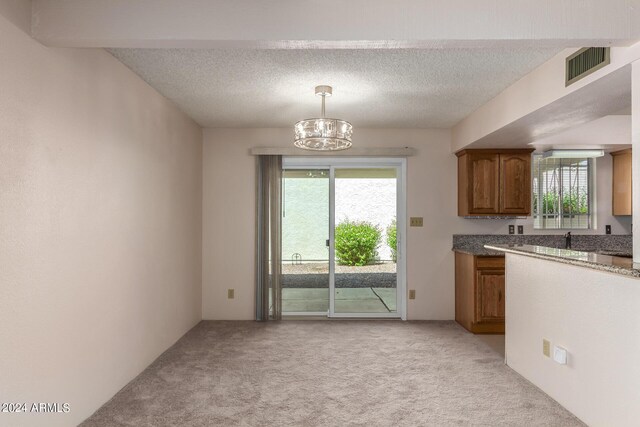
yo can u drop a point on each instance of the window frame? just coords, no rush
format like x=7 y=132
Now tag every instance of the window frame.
x=540 y=220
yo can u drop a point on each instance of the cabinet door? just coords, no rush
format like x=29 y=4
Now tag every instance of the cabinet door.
x=515 y=184
x=484 y=183
x=490 y=296
x=622 y=183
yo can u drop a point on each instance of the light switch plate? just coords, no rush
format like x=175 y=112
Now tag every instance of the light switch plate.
x=231 y=293
x=415 y=221
x=412 y=294
x=546 y=347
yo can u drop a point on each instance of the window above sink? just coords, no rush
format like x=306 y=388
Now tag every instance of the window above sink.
x=563 y=193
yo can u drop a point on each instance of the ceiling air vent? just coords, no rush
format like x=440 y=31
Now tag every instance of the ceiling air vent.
x=586 y=61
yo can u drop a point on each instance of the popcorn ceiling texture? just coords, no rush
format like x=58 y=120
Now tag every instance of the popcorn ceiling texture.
x=373 y=88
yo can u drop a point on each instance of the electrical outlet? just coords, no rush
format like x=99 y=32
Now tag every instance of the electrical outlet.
x=412 y=294
x=512 y=229
x=521 y=229
x=231 y=293
x=546 y=348
x=415 y=221
x=607 y=229
x=559 y=355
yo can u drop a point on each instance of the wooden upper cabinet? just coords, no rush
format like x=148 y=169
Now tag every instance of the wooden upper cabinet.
x=515 y=184
x=484 y=170
x=622 y=182
x=494 y=182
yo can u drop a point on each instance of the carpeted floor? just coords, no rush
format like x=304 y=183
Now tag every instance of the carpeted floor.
x=330 y=373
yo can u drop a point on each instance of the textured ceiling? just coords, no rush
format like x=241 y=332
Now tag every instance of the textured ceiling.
x=372 y=88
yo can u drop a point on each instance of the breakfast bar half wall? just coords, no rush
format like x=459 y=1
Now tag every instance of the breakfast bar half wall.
x=582 y=305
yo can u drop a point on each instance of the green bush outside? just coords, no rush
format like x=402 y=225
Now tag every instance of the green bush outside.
x=392 y=240
x=357 y=242
x=571 y=203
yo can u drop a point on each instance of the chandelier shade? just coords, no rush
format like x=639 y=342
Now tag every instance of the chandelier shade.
x=323 y=134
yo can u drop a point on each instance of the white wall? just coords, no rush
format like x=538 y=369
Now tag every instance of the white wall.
x=229 y=216
x=100 y=226
x=593 y=315
x=18 y=12
x=635 y=156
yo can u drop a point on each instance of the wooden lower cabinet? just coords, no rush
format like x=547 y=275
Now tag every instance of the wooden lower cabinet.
x=480 y=293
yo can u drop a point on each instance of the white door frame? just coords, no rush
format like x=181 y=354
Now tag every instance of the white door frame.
x=331 y=163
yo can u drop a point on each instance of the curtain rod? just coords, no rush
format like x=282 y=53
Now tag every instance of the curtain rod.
x=352 y=152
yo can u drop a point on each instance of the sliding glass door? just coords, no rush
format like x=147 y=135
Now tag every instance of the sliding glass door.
x=305 y=241
x=342 y=228
x=365 y=212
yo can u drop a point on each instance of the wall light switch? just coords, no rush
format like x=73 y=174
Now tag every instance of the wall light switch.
x=520 y=229
x=607 y=229
x=415 y=221
x=231 y=293
x=412 y=294
x=546 y=347
x=559 y=355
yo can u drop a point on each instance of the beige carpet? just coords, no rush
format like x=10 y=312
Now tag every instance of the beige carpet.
x=330 y=373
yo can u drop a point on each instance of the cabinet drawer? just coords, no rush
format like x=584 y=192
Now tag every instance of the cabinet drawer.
x=490 y=262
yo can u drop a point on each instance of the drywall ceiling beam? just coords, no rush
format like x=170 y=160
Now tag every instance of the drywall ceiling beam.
x=539 y=104
x=334 y=23
x=603 y=97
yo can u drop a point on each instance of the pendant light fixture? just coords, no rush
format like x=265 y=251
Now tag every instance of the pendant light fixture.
x=323 y=134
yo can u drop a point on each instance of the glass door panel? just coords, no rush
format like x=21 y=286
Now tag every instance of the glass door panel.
x=305 y=241
x=365 y=240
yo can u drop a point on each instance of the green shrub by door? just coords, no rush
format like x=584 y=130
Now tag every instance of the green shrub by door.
x=392 y=240
x=357 y=242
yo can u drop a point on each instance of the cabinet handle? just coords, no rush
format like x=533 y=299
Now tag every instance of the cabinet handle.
x=499 y=295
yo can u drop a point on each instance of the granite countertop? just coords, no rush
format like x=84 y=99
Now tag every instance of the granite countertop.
x=612 y=264
x=478 y=251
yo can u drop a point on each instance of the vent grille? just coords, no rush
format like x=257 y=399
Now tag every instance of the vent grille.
x=586 y=61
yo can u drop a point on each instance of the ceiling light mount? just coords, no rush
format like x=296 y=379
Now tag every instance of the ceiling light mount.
x=324 y=90
x=323 y=134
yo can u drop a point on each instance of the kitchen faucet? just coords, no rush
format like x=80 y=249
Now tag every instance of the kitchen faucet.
x=567 y=240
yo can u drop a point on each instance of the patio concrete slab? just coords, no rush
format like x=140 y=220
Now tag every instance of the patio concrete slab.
x=348 y=300
x=305 y=306
x=388 y=295
x=360 y=306
x=305 y=294
x=355 y=294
